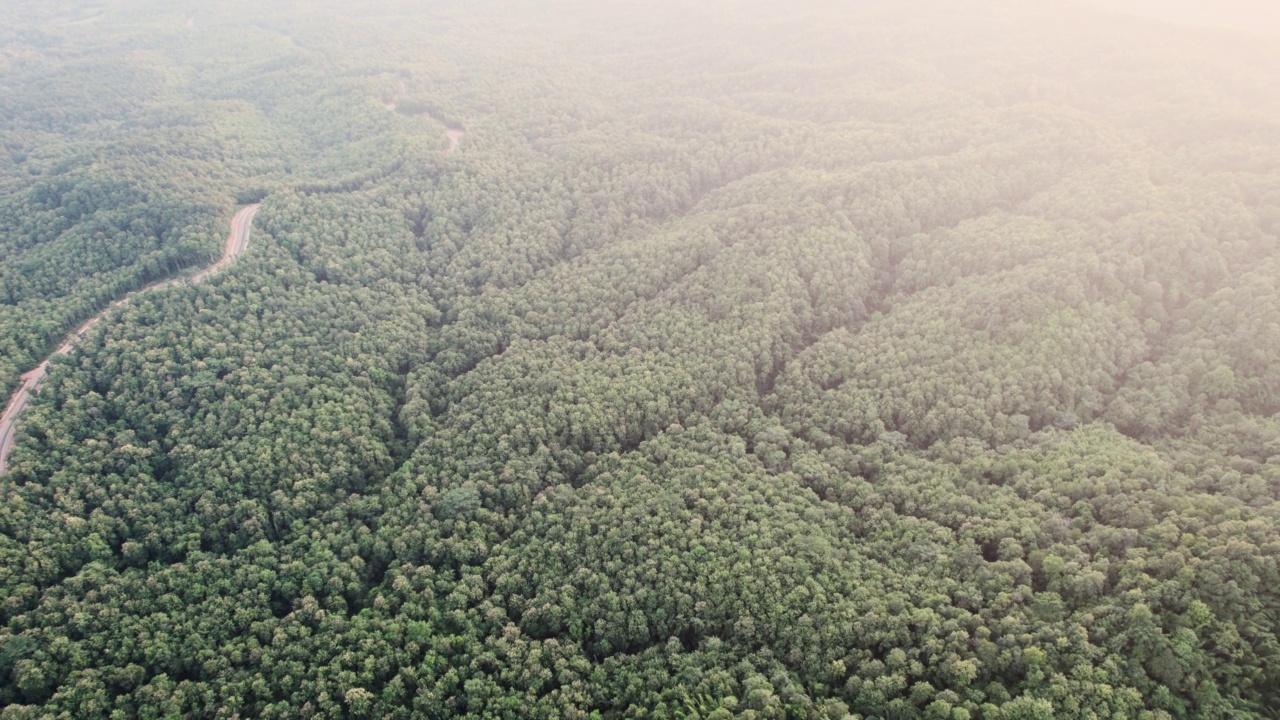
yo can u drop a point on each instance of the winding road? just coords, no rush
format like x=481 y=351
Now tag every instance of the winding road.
x=237 y=242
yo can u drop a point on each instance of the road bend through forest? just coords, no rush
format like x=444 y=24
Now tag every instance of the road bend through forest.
x=237 y=241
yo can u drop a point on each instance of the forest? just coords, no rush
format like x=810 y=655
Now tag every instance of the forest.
x=883 y=360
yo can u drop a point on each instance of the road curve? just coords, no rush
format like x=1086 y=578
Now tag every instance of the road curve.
x=237 y=242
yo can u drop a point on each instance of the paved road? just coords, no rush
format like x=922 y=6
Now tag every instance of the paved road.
x=237 y=241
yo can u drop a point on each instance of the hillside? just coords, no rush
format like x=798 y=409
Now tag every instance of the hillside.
x=640 y=360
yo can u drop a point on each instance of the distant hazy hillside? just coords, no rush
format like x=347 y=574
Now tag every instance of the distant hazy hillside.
x=1259 y=16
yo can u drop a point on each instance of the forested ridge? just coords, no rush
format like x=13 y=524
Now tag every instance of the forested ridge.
x=816 y=360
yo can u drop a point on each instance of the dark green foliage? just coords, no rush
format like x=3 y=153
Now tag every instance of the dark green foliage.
x=884 y=360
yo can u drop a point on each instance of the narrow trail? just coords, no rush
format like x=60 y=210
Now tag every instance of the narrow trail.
x=453 y=134
x=237 y=242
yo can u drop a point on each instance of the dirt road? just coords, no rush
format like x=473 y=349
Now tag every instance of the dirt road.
x=237 y=241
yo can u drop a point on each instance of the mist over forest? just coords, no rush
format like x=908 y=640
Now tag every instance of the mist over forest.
x=1257 y=17
x=560 y=359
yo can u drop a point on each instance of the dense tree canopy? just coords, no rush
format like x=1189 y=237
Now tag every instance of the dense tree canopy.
x=645 y=360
